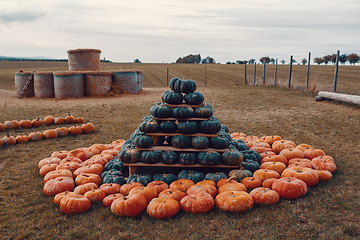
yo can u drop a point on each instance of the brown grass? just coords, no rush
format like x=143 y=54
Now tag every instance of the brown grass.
x=330 y=210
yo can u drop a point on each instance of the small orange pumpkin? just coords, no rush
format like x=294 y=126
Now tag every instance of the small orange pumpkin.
x=35 y=136
x=50 y=133
x=70 y=119
x=22 y=138
x=9 y=140
x=48 y=120
x=108 y=200
x=2 y=127
x=26 y=124
x=88 y=127
x=59 y=120
x=62 y=131
x=75 y=130
x=37 y=122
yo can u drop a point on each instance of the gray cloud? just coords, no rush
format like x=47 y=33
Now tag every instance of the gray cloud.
x=20 y=16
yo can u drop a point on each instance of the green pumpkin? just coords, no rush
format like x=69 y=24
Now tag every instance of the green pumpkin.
x=143 y=141
x=114 y=178
x=172 y=97
x=209 y=158
x=188 y=158
x=149 y=126
x=114 y=163
x=168 y=127
x=203 y=112
x=169 y=157
x=219 y=142
x=194 y=98
x=187 y=127
x=240 y=174
x=215 y=176
x=232 y=157
x=200 y=142
x=224 y=128
x=110 y=172
x=183 y=112
x=129 y=155
x=251 y=155
x=160 y=110
x=182 y=86
x=165 y=177
x=191 y=175
x=153 y=156
x=250 y=165
x=210 y=126
x=240 y=145
x=144 y=179
x=181 y=141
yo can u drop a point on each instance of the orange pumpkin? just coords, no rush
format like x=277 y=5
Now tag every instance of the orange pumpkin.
x=313 y=152
x=324 y=175
x=50 y=133
x=110 y=188
x=35 y=136
x=206 y=182
x=148 y=192
x=232 y=187
x=75 y=130
x=83 y=188
x=303 y=146
x=159 y=186
x=181 y=184
x=290 y=153
x=323 y=162
x=125 y=189
x=93 y=168
x=264 y=174
x=79 y=120
x=251 y=182
x=210 y=189
x=265 y=196
x=61 y=195
x=9 y=140
x=271 y=139
x=88 y=177
x=59 y=120
x=129 y=206
x=95 y=195
x=308 y=175
x=47 y=168
x=88 y=127
x=48 y=120
x=234 y=201
x=225 y=180
x=290 y=187
x=276 y=166
x=22 y=139
x=175 y=194
x=70 y=119
x=81 y=153
x=57 y=173
x=58 y=185
x=2 y=127
x=299 y=162
x=60 y=154
x=108 y=200
x=162 y=208
x=75 y=204
x=37 y=122
x=62 y=131
x=279 y=145
x=197 y=203
x=268 y=182
x=26 y=124
x=275 y=158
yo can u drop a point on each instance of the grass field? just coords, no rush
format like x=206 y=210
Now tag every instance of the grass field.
x=330 y=210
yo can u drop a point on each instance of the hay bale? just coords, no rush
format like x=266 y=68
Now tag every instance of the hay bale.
x=129 y=80
x=20 y=80
x=84 y=60
x=44 y=85
x=69 y=84
x=97 y=83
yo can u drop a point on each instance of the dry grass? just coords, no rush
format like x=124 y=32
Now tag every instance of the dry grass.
x=329 y=210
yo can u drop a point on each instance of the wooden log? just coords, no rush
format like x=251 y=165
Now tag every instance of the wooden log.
x=340 y=97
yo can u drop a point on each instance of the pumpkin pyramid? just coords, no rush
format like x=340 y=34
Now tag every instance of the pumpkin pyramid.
x=182 y=130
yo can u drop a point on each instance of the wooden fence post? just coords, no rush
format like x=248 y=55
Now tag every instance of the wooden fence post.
x=336 y=69
x=167 y=76
x=245 y=76
x=308 y=72
x=276 y=63
x=264 y=73
x=205 y=75
x=254 y=74
x=290 y=70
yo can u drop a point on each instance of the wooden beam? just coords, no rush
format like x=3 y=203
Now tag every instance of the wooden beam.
x=340 y=97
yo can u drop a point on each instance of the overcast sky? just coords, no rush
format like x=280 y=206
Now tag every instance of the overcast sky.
x=163 y=30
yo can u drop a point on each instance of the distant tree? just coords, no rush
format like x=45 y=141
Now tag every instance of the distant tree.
x=189 y=59
x=228 y=62
x=333 y=58
x=282 y=62
x=303 y=61
x=326 y=59
x=137 y=61
x=294 y=61
x=318 y=60
x=241 y=62
x=252 y=61
x=265 y=60
x=272 y=60
x=353 y=58
x=208 y=60
x=342 y=58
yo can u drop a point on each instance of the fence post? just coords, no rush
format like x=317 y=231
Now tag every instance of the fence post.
x=167 y=76
x=336 y=69
x=254 y=74
x=205 y=75
x=308 y=72
x=245 y=76
x=264 y=73
x=276 y=63
x=290 y=70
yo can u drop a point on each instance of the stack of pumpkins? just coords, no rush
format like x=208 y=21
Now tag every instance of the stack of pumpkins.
x=185 y=122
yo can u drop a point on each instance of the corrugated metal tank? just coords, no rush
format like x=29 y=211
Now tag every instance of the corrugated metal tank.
x=131 y=81
x=20 y=80
x=97 y=83
x=44 y=85
x=84 y=60
x=68 y=84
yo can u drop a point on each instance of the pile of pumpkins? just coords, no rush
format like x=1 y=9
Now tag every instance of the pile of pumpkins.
x=79 y=177
x=60 y=131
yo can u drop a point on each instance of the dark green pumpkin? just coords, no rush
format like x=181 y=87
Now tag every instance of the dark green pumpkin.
x=143 y=141
x=110 y=172
x=240 y=174
x=149 y=126
x=232 y=157
x=168 y=127
x=182 y=86
x=171 y=97
x=183 y=112
x=160 y=110
x=224 y=128
x=251 y=155
x=240 y=145
x=144 y=179
x=114 y=178
x=194 y=98
x=129 y=155
x=250 y=165
x=217 y=176
x=181 y=141
x=152 y=156
x=188 y=158
x=165 y=177
x=187 y=127
x=203 y=112
x=114 y=163
x=191 y=175
x=209 y=158
x=200 y=142
x=219 y=142
x=210 y=126
x=169 y=157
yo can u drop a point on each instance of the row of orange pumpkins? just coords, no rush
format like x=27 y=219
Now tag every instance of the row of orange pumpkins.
x=73 y=178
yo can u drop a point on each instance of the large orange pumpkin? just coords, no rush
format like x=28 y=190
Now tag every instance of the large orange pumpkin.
x=58 y=185
x=107 y=201
x=182 y=184
x=264 y=174
x=234 y=201
x=279 y=145
x=197 y=203
x=163 y=208
x=129 y=206
x=323 y=162
x=172 y=193
x=265 y=196
x=290 y=187
x=75 y=204
x=308 y=175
